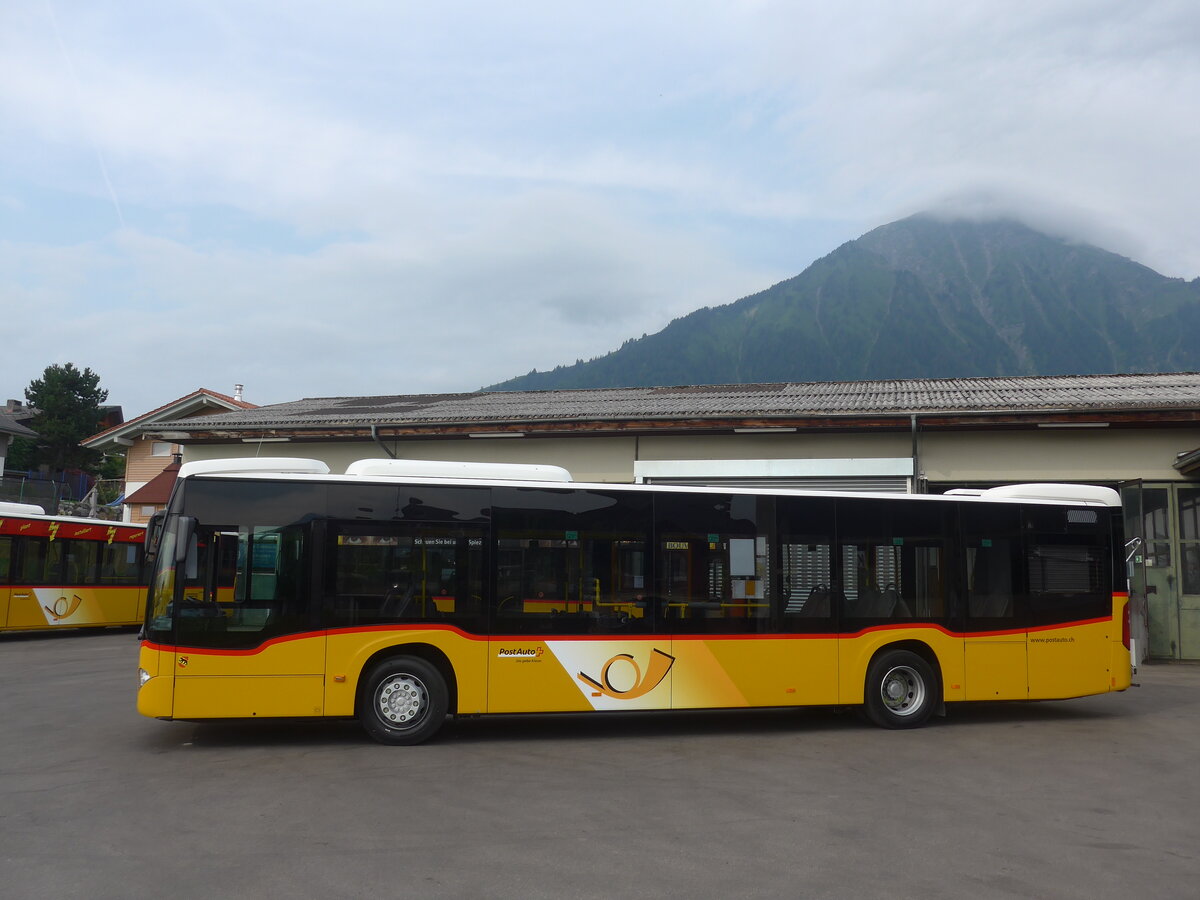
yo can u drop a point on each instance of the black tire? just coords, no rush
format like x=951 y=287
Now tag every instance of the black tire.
x=404 y=701
x=902 y=690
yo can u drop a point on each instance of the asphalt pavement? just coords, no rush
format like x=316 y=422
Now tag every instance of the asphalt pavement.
x=1092 y=798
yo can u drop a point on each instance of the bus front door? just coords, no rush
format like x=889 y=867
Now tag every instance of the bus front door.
x=247 y=645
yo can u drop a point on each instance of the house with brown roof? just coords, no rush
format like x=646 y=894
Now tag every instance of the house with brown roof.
x=151 y=451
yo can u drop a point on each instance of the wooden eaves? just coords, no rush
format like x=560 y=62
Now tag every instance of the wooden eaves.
x=975 y=420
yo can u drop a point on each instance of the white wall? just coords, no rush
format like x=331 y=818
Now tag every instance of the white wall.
x=1030 y=454
x=1045 y=454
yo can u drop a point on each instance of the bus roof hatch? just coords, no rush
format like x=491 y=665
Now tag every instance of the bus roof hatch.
x=428 y=468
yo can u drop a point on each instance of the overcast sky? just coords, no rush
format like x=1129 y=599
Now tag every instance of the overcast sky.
x=327 y=199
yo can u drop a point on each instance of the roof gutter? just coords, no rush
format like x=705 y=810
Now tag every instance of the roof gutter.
x=375 y=437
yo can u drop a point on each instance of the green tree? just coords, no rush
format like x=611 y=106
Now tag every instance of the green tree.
x=67 y=403
x=22 y=454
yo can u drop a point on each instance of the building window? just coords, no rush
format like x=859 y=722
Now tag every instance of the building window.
x=160 y=448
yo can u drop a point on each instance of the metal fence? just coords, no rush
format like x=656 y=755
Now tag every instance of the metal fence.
x=20 y=488
x=75 y=495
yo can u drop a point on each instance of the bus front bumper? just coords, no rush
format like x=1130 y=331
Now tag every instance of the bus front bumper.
x=154 y=695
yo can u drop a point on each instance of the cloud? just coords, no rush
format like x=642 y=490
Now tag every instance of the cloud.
x=533 y=284
x=382 y=198
x=1082 y=105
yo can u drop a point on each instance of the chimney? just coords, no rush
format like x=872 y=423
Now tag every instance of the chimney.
x=237 y=392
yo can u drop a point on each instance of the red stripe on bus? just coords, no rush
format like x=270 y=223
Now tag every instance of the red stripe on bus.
x=1102 y=620
x=643 y=638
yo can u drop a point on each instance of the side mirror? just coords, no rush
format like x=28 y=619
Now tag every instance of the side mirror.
x=154 y=533
x=185 y=534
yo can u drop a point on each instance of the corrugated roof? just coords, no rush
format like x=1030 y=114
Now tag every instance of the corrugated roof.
x=815 y=399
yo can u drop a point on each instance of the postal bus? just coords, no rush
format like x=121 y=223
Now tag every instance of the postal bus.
x=405 y=591
x=65 y=572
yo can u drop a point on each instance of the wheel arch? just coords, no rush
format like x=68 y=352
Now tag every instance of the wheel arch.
x=857 y=655
x=429 y=653
x=920 y=648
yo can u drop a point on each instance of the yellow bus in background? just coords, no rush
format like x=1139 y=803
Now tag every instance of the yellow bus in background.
x=66 y=572
x=404 y=591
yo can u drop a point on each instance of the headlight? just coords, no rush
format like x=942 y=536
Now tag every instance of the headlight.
x=143 y=677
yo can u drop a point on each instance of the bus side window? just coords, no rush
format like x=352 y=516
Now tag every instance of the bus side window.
x=374 y=575
x=245 y=586
x=82 y=561
x=388 y=573
x=992 y=561
x=989 y=578
x=572 y=562
x=120 y=564
x=893 y=559
x=714 y=572
x=1067 y=564
x=806 y=564
x=6 y=555
x=40 y=561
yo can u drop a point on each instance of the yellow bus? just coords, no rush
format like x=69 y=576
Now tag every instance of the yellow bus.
x=402 y=592
x=65 y=572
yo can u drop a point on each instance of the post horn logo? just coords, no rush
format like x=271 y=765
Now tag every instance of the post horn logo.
x=63 y=608
x=656 y=671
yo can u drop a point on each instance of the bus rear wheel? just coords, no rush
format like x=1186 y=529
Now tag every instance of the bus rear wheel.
x=404 y=702
x=901 y=690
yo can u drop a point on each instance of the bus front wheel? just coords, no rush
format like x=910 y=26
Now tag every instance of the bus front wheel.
x=404 y=702
x=901 y=690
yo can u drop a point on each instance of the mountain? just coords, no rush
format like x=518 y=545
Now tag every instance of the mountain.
x=922 y=298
